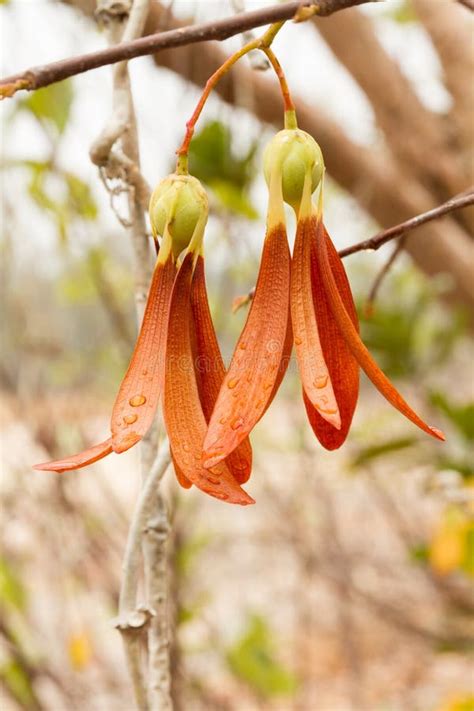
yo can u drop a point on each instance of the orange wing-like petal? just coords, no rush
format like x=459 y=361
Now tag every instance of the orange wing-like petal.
x=209 y=367
x=139 y=393
x=314 y=371
x=360 y=352
x=343 y=367
x=249 y=385
x=184 y=417
x=77 y=461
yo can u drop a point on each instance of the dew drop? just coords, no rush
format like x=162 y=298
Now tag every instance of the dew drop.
x=144 y=371
x=223 y=420
x=213 y=480
x=185 y=447
x=232 y=383
x=137 y=400
x=236 y=423
x=243 y=346
x=130 y=419
x=268 y=385
x=326 y=410
x=321 y=381
x=298 y=341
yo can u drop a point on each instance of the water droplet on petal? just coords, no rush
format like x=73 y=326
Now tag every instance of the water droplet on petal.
x=137 y=400
x=268 y=385
x=237 y=423
x=130 y=419
x=185 y=447
x=232 y=383
x=213 y=480
x=243 y=346
x=223 y=420
x=326 y=410
x=298 y=341
x=321 y=381
x=144 y=371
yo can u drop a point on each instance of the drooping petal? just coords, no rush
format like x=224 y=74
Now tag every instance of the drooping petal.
x=182 y=479
x=314 y=372
x=139 y=393
x=254 y=371
x=77 y=461
x=353 y=340
x=209 y=367
x=343 y=367
x=184 y=417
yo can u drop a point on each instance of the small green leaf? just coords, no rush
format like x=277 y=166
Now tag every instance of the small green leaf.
x=12 y=591
x=212 y=160
x=51 y=105
x=80 y=197
x=16 y=680
x=368 y=454
x=461 y=416
x=252 y=659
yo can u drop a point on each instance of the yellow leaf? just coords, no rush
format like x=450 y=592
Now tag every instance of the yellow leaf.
x=448 y=543
x=79 y=650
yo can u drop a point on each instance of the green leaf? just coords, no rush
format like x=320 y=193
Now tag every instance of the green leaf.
x=80 y=197
x=212 y=160
x=461 y=416
x=403 y=14
x=252 y=659
x=233 y=198
x=16 y=680
x=12 y=591
x=368 y=454
x=51 y=105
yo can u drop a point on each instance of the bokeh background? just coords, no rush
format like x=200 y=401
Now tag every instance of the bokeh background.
x=348 y=585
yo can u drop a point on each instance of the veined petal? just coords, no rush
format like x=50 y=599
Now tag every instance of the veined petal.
x=139 y=393
x=314 y=372
x=182 y=479
x=343 y=367
x=77 y=461
x=209 y=367
x=360 y=352
x=184 y=418
x=250 y=383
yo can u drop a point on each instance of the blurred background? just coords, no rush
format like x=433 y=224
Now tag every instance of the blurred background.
x=348 y=585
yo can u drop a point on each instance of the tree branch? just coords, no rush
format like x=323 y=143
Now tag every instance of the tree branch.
x=375 y=242
x=37 y=77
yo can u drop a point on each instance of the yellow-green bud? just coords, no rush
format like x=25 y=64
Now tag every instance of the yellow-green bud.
x=178 y=201
x=294 y=152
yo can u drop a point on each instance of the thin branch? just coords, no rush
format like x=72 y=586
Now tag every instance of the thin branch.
x=381 y=238
x=467 y=3
x=369 y=305
x=40 y=76
x=134 y=619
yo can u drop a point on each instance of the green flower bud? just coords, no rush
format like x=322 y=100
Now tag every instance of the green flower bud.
x=178 y=201
x=294 y=153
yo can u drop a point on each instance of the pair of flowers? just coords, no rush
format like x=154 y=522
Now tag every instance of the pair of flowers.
x=305 y=300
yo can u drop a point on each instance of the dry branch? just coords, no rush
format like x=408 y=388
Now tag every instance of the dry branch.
x=381 y=238
x=37 y=77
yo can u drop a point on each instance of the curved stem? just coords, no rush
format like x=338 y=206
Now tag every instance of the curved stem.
x=285 y=92
x=262 y=43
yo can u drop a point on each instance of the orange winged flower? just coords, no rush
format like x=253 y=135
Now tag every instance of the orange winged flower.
x=176 y=356
x=313 y=289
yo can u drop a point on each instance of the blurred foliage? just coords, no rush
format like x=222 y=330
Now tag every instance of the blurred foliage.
x=460 y=703
x=79 y=650
x=451 y=547
x=212 y=160
x=252 y=659
x=369 y=454
x=404 y=330
x=51 y=105
x=12 y=591
x=461 y=416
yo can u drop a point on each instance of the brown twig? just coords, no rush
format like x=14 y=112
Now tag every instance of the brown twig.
x=369 y=305
x=381 y=238
x=37 y=77
x=467 y=3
